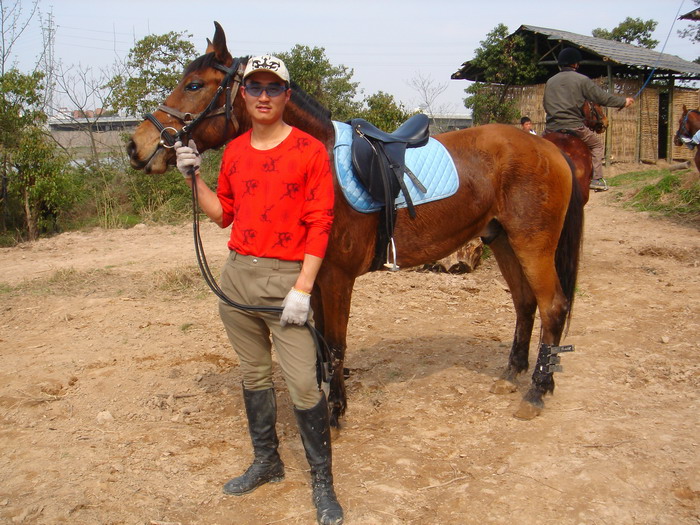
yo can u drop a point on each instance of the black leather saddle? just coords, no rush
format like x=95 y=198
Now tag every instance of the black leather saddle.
x=379 y=161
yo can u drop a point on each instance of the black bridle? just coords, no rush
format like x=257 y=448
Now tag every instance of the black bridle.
x=233 y=77
x=683 y=130
x=229 y=83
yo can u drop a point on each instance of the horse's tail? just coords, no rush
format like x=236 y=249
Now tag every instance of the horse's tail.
x=568 y=251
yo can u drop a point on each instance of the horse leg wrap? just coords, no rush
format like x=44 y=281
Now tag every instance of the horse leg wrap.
x=548 y=361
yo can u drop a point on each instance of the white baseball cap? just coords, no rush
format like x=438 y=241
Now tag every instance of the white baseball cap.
x=268 y=63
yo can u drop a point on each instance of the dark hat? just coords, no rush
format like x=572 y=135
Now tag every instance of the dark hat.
x=569 y=56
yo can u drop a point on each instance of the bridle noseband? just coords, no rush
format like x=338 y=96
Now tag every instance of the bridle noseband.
x=683 y=130
x=232 y=80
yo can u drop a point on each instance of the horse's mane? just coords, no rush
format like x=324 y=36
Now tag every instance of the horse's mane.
x=309 y=104
x=202 y=62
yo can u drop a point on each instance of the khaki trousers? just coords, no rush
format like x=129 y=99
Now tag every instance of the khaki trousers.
x=594 y=142
x=258 y=281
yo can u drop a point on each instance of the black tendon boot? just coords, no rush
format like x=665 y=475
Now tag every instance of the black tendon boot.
x=316 y=435
x=261 y=409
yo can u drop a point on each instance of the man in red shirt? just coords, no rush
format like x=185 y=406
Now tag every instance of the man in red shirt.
x=275 y=189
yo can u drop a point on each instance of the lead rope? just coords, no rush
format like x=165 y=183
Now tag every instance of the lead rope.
x=323 y=353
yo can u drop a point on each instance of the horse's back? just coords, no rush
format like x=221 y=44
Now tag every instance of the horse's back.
x=508 y=154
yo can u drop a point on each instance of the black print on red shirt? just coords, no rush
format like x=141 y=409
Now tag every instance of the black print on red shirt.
x=292 y=189
x=249 y=236
x=283 y=238
x=270 y=165
x=264 y=217
x=312 y=194
x=302 y=143
x=250 y=186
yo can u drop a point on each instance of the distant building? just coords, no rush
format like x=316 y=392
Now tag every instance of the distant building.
x=76 y=130
x=441 y=123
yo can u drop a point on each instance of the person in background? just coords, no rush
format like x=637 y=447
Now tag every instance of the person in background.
x=526 y=125
x=564 y=95
x=275 y=189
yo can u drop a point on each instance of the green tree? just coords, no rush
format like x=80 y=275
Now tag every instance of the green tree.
x=152 y=70
x=631 y=31
x=38 y=184
x=383 y=111
x=505 y=62
x=330 y=85
x=44 y=184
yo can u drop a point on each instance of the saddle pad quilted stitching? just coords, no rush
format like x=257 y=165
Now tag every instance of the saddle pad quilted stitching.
x=431 y=163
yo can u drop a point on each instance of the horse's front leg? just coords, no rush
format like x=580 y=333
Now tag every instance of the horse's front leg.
x=335 y=293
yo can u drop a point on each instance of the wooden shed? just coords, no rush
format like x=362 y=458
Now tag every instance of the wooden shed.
x=643 y=132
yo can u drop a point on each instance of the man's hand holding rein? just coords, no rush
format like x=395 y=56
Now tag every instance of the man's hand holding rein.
x=188 y=158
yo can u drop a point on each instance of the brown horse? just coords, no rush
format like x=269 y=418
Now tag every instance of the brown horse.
x=515 y=190
x=688 y=125
x=576 y=150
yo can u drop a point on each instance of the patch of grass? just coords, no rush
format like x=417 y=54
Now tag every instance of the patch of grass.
x=66 y=281
x=672 y=194
x=186 y=280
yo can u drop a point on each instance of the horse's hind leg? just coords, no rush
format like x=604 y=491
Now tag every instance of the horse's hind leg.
x=553 y=307
x=525 y=307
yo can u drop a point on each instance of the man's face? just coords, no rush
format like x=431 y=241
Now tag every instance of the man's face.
x=263 y=108
x=527 y=126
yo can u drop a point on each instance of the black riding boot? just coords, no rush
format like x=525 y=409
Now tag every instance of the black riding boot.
x=261 y=409
x=316 y=435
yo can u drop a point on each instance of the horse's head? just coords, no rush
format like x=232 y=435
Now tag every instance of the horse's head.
x=595 y=118
x=688 y=125
x=204 y=107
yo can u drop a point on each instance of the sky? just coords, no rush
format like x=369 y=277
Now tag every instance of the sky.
x=387 y=43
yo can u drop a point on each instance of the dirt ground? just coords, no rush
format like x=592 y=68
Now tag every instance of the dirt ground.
x=120 y=400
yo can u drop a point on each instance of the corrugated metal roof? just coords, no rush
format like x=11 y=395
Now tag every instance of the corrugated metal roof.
x=619 y=52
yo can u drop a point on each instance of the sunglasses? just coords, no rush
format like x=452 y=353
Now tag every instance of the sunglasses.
x=273 y=90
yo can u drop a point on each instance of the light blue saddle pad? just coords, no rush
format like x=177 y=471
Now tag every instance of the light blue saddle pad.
x=431 y=164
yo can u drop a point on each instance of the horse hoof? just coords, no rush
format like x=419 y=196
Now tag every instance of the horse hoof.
x=527 y=411
x=503 y=386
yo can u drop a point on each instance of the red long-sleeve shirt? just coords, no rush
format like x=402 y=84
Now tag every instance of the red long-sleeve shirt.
x=279 y=201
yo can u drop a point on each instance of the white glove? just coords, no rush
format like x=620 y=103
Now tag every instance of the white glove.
x=188 y=159
x=296 y=307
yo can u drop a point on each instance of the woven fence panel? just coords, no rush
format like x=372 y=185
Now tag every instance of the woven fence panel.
x=649 y=124
x=529 y=101
x=681 y=97
x=624 y=124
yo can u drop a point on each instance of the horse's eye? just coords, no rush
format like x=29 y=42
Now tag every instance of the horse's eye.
x=194 y=86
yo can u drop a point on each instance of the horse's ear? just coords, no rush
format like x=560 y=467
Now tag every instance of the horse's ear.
x=685 y=109
x=218 y=46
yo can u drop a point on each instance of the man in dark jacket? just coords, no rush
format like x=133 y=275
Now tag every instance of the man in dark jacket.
x=564 y=95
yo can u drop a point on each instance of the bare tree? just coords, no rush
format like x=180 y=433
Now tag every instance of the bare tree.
x=429 y=91
x=13 y=22
x=85 y=89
